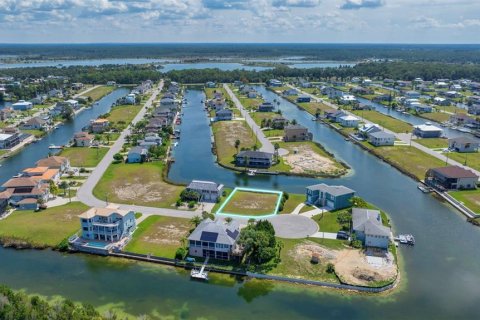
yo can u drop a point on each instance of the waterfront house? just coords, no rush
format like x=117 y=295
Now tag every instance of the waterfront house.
x=99 y=125
x=290 y=92
x=215 y=239
x=474 y=109
x=254 y=159
x=427 y=130
x=252 y=94
x=303 y=98
x=266 y=107
x=28 y=204
x=412 y=95
x=463 y=144
x=4 y=196
x=151 y=139
x=451 y=178
x=332 y=197
x=368 y=228
x=296 y=132
x=8 y=141
x=223 y=115
x=423 y=108
x=210 y=84
x=167 y=102
x=54 y=162
x=349 y=121
x=108 y=224
x=209 y=191
x=217 y=103
x=22 y=105
x=461 y=119
x=43 y=174
x=130 y=98
x=137 y=154
x=83 y=139
x=6 y=113
x=274 y=83
x=381 y=138
x=439 y=101
x=278 y=122
x=35 y=123
x=334 y=115
x=347 y=99
x=111 y=83
x=26 y=187
x=156 y=124
x=368 y=129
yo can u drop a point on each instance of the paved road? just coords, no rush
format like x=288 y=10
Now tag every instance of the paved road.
x=405 y=137
x=267 y=145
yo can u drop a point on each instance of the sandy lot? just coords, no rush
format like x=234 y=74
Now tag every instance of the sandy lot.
x=305 y=160
x=144 y=192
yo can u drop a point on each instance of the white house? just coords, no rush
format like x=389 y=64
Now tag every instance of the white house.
x=347 y=98
x=381 y=138
x=349 y=121
x=22 y=105
x=427 y=130
x=368 y=228
x=108 y=224
x=130 y=98
x=209 y=191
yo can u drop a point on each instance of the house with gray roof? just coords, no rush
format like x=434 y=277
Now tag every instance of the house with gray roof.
x=209 y=191
x=223 y=115
x=381 y=138
x=215 y=239
x=137 y=154
x=332 y=197
x=254 y=159
x=463 y=144
x=368 y=228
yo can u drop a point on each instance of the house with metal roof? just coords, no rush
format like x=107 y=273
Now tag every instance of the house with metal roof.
x=209 y=191
x=332 y=197
x=368 y=228
x=381 y=138
x=463 y=144
x=427 y=130
x=215 y=239
x=451 y=178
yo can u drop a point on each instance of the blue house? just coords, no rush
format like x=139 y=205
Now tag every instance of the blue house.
x=266 y=107
x=303 y=98
x=332 y=197
x=137 y=155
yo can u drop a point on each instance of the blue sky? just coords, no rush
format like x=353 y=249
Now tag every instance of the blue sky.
x=371 y=21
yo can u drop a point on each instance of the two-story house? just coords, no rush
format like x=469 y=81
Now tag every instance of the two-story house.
x=296 y=133
x=254 y=159
x=209 y=191
x=368 y=228
x=333 y=197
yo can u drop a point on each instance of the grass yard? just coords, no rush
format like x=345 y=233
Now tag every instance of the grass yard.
x=471 y=159
x=409 y=158
x=137 y=183
x=293 y=201
x=251 y=203
x=259 y=116
x=327 y=221
x=295 y=259
x=45 y=228
x=124 y=113
x=84 y=157
x=433 y=143
x=160 y=236
x=249 y=103
x=210 y=91
x=470 y=198
x=385 y=121
x=436 y=116
x=35 y=133
x=98 y=93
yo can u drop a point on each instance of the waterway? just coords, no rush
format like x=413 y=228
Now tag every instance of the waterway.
x=27 y=156
x=440 y=274
x=88 y=62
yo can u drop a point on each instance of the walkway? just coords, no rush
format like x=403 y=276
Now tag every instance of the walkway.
x=404 y=137
x=267 y=145
x=324 y=235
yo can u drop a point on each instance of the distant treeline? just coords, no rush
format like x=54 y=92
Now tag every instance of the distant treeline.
x=335 y=52
x=392 y=70
x=129 y=74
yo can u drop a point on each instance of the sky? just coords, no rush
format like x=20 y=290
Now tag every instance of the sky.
x=312 y=21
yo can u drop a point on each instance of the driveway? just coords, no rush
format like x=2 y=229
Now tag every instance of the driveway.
x=293 y=226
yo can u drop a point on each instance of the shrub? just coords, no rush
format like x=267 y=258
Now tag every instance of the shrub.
x=178 y=203
x=330 y=268
x=180 y=253
x=63 y=246
x=191 y=204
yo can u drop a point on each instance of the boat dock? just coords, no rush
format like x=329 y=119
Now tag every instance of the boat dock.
x=200 y=274
x=405 y=239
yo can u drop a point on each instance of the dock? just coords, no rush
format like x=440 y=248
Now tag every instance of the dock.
x=405 y=239
x=200 y=274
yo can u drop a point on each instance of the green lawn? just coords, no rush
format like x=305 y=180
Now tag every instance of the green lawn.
x=124 y=113
x=470 y=159
x=98 y=93
x=293 y=201
x=436 y=116
x=160 y=236
x=470 y=198
x=251 y=203
x=44 y=228
x=327 y=221
x=433 y=143
x=385 y=121
x=36 y=133
x=84 y=157
x=137 y=183
x=259 y=116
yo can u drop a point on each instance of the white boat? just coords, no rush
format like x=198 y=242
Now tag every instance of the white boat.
x=251 y=172
x=199 y=274
x=424 y=188
x=52 y=146
x=175 y=144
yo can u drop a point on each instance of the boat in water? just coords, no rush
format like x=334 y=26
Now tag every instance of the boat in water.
x=52 y=146
x=251 y=172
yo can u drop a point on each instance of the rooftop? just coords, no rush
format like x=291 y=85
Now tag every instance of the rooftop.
x=455 y=172
x=333 y=190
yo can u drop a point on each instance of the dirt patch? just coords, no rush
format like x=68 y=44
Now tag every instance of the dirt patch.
x=303 y=159
x=144 y=192
x=170 y=234
x=352 y=266
x=306 y=251
x=235 y=130
x=252 y=203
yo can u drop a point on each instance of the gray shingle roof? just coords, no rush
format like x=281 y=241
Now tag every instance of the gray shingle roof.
x=369 y=221
x=333 y=190
x=216 y=231
x=255 y=154
x=382 y=134
x=203 y=185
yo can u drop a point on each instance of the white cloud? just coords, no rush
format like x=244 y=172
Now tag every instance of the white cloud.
x=358 y=4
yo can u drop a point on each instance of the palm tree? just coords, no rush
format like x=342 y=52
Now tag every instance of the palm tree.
x=196 y=220
x=294 y=122
x=237 y=144
x=276 y=146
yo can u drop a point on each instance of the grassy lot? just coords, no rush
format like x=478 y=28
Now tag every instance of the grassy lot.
x=433 y=143
x=98 y=93
x=310 y=107
x=44 y=228
x=452 y=109
x=251 y=203
x=35 y=133
x=84 y=157
x=293 y=201
x=210 y=91
x=472 y=159
x=296 y=262
x=327 y=221
x=160 y=236
x=470 y=198
x=273 y=133
x=137 y=183
x=249 y=103
x=259 y=116
x=124 y=113
x=385 y=121
x=436 y=116
x=411 y=159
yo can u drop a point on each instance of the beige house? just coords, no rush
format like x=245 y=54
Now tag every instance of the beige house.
x=297 y=132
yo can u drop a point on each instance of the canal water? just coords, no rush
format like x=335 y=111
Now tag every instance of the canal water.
x=440 y=275
x=27 y=156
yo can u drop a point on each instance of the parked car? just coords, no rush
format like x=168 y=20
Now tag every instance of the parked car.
x=342 y=235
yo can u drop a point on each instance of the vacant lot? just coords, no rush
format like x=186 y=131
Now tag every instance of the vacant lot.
x=98 y=93
x=226 y=133
x=308 y=158
x=436 y=116
x=84 y=157
x=327 y=221
x=251 y=203
x=124 y=113
x=160 y=236
x=45 y=228
x=385 y=121
x=470 y=198
x=137 y=183
x=293 y=201
x=409 y=158
x=433 y=143
x=470 y=159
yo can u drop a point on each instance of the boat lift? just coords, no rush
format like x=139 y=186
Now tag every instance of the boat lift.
x=200 y=274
